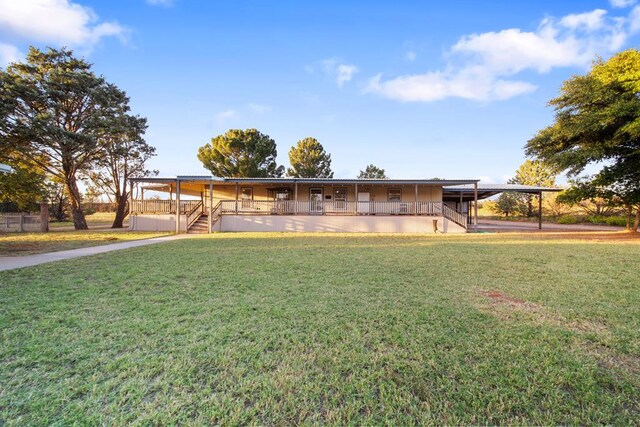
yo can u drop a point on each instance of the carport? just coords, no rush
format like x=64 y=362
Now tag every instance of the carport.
x=463 y=195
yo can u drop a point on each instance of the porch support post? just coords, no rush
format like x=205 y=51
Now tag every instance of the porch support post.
x=475 y=207
x=142 y=193
x=415 y=205
x=295 y=197
x=540 y=210
x=177 y=206
x=236 y=198
x=356 y=198
x=210 y=205
x=170 y=192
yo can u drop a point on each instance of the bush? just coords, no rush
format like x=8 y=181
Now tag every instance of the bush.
x=596 y=219
x=567 y=219
x=616 y=220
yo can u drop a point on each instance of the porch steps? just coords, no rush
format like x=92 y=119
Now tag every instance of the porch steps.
x=200 y=226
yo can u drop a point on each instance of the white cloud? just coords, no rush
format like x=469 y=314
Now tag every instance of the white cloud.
x=483 y=66
x=8 y=54
x=341 y=72
x=259 y=108
x=225 y=116
x=634 y=20
x=56 y=21
x=165 y=3
x=435 y=86
x=622 y=3
x=590 y=20
x=410 y=56
x=345 y=73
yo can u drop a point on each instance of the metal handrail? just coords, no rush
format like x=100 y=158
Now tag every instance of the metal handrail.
x=453 y=215
x=191 y=218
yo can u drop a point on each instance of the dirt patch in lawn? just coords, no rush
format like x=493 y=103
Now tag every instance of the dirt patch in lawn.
x=507 y=308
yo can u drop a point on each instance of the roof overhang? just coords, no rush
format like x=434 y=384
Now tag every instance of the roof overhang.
x=319 y=181
x=466 y=192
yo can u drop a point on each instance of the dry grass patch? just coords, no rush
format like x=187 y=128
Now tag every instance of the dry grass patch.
x=20 y=244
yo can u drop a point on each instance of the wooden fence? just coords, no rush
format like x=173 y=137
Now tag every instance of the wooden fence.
x=19 y=222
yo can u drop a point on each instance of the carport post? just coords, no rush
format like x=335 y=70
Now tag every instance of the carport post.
x=540 y=210
x=475 y=206
x=177 y=206
x=295 y=197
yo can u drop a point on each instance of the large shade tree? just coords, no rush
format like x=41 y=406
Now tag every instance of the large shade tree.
x=597 y=121
x=241 y=154
x=57 y=111
x=308 y=159
x=125 y=155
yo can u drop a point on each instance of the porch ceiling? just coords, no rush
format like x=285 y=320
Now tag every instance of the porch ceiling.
x=485 y=191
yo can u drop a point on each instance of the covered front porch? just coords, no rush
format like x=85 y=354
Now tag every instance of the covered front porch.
x=207 y=204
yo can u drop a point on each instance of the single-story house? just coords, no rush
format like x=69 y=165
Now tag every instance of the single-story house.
x=209 y=204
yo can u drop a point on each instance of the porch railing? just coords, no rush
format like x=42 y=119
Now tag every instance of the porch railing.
x=162 y=206
x=333 y=207
x=455 y=216
x=194 y=208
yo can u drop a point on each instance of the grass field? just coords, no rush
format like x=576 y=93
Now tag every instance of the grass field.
x=98 y=219
x=19 y=244
x=287 y=329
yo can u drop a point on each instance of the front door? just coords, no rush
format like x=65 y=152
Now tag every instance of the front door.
x=315 y=200
x=364 y=198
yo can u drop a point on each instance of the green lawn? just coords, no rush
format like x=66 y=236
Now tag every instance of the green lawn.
x=98 y=219
x=361 y=329
x=19 y=244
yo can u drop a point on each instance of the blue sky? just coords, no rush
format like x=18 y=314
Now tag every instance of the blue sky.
x=422 y=89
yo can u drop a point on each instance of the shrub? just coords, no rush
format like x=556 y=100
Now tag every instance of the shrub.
x=616 y=220
x=567 y=219
x=596 y=219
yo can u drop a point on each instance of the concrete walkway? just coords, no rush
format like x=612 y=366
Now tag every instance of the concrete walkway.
x=10 y=263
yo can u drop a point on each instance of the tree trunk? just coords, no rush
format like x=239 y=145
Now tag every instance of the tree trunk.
x=121 y=211
x=629 y=211
x=636 y=221
x=79 y=222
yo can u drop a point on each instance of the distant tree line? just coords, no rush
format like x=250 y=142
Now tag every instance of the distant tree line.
x=252 y=154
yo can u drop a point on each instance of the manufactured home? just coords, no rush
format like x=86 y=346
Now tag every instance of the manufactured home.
x=207 y=204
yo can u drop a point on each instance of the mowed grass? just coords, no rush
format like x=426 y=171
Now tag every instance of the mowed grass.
x=97 y=219
x=19 y=244
x=282 y=329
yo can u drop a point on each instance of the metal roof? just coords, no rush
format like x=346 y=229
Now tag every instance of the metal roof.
x=333 y=181
x=454 y=193
x=502 y=187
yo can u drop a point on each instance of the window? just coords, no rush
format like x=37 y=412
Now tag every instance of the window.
x=394 y=194
x=279 y=193
x=247 y=196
